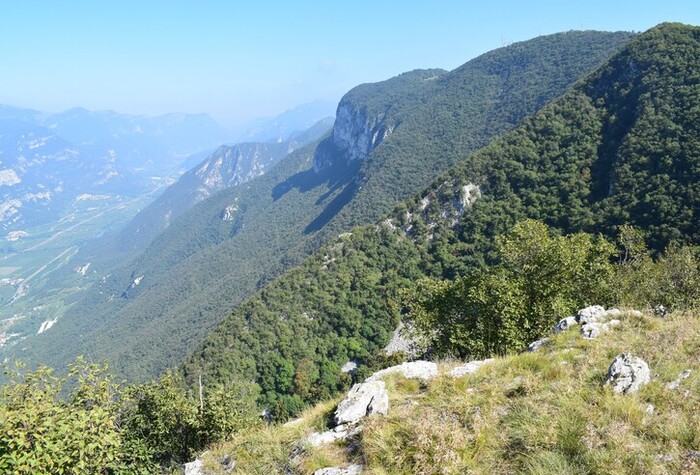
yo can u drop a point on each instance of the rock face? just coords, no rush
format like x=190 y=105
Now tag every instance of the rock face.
x=413 y=370
x=349 y=470
x=356 y=133
x=627 y=374
x=468 y=368
x=400 y=343
x=363 y=399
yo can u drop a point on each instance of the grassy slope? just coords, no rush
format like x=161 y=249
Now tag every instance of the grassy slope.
x=542 y=413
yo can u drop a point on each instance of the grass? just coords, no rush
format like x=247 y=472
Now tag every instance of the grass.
x=536 y=413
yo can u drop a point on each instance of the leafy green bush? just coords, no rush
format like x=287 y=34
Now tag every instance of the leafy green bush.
x=102 y=428
x=538 y=278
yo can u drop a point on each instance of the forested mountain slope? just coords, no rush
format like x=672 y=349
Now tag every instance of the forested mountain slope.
x=389 y=141
x=228 y=166
x=620 y=147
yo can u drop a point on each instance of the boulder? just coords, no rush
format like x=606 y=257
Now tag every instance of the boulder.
x=195 y=467
x=565 y=324
x=536 y=345
x=660 y=310
x=341 y=432
x=590 y=314
x=613 y=312
x=627 y=374
x=363 y=399
x=349 y=470
x=593 y=329
x=468 y=368
x=424 y=370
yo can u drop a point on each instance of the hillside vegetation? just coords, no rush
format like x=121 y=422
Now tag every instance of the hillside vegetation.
x=604 y=134
x=150 y=313
x=546 y=412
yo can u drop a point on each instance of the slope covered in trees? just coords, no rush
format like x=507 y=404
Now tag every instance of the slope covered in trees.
x=147 y=315
x=619 y=148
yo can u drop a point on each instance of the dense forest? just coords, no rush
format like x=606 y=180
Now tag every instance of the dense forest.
x=596 y=159
x=150 y=313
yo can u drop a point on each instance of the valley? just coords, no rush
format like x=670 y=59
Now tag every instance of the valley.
x=30 y=258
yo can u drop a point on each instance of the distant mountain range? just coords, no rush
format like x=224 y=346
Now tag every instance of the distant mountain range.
x=47 y=160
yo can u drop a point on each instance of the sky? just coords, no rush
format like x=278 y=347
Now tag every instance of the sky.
x=239 y=60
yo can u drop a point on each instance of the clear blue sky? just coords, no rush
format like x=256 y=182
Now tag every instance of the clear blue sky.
x=238 y=60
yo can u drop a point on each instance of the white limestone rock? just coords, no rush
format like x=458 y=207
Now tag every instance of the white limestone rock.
x=468 y=368
x=565 y=324
x=349 y=470
x=424 y=370
x=340 y=432
x=627 y=374
x=590 y=314
x=536 y=345
x=363 y=399
x=196 y=467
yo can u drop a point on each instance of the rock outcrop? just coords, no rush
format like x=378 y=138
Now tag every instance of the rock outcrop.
x=363 y=399
x=627 y=374
x=468 y=368
x=424 y=370
x=340 y=432
x=195 y=467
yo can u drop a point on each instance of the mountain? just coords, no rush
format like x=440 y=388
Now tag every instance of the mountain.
x=48 y=160
x=282 y=127
x=229 y=165
x=620 y=147
x=148 y=314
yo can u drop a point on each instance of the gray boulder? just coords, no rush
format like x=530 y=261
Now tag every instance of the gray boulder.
x=536 y=345
x=590 y=314
x=565 y=324
x=594 y=329
x=349 y=470
x=363 y=399
x=468 y=368
x=627 y=374
x=195 y=467
x=412 y=370
x=341 y=432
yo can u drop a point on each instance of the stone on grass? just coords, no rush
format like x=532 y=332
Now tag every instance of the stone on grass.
x=363 y=399
x=536 y=345
x=673 y=385
x=627 y=374
x=590 y=314
x=349 y=470
x=195 y=467
x=565 y=324
x=594 y=329
x=424 y=370
x=468 y=368
x=341 y=432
